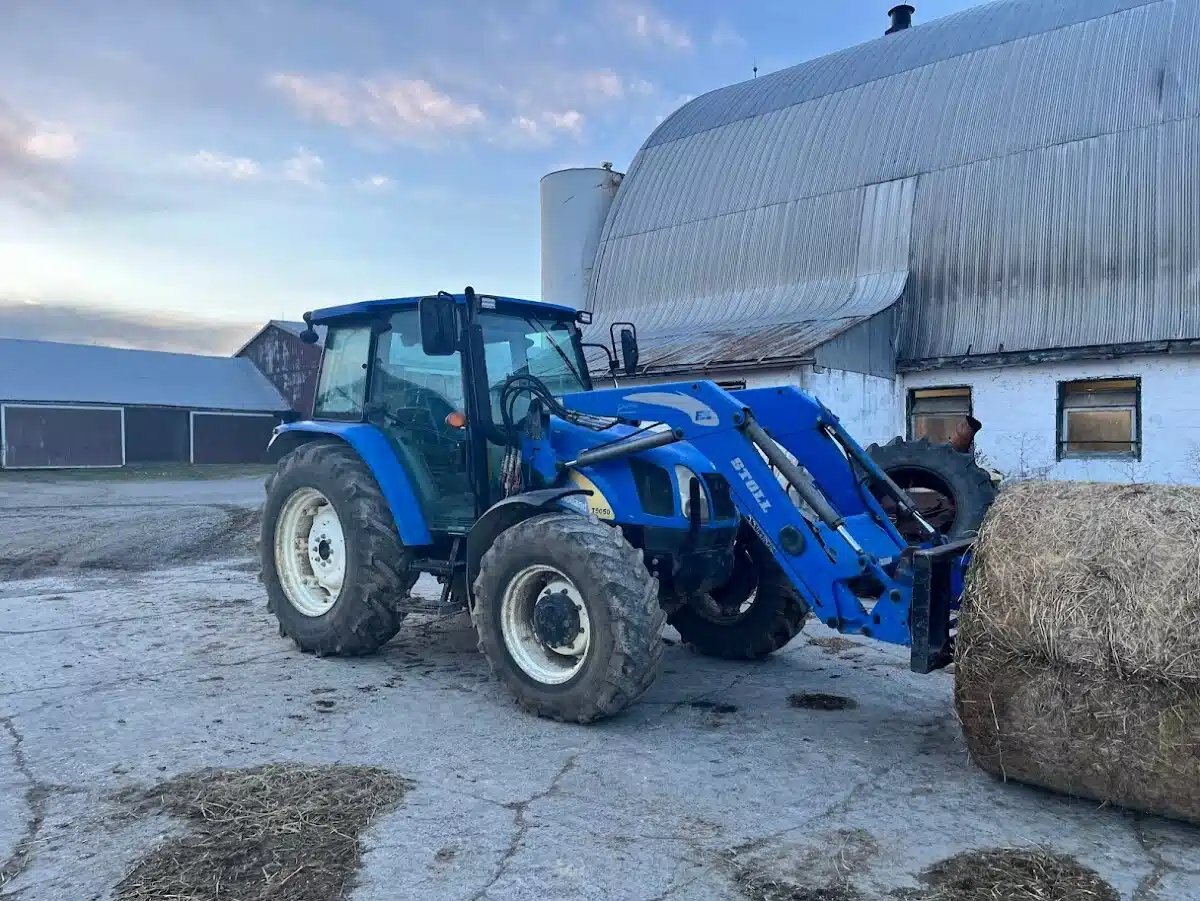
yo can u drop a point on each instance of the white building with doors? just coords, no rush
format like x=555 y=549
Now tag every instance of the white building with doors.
x=994 y=213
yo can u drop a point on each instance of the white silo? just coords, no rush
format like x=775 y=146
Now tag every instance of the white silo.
x=575 y=203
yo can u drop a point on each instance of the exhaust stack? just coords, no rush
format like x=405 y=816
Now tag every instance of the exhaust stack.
x=901 y=18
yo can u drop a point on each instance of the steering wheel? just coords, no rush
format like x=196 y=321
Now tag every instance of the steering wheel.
x=419 y=403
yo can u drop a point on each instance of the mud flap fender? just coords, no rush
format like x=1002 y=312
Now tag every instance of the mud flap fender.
x=508 y=513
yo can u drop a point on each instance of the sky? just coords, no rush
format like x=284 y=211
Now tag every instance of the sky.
x=173 y=173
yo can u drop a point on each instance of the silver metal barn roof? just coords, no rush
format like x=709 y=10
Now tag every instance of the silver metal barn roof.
x=49 y=372
x=1022 y=174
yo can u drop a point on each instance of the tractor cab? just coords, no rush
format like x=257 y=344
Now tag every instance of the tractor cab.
x=386 y=367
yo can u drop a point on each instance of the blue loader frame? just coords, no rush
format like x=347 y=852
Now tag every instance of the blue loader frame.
x=835 y=542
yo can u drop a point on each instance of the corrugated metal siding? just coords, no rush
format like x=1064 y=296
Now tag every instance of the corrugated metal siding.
x=868 y=347
x=1042 y=148
x=1088 y=243
x=955 y=35
x=774 y=271
x=885 y=230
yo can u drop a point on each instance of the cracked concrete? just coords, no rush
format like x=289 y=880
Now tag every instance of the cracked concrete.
x=115 y=679
x=33 y=799
x=521 y=827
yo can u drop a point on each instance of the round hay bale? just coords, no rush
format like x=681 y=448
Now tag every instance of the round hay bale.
x=1078 y=652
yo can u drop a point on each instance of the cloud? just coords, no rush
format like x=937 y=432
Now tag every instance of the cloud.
x=33 y=159
x=569 y=121
x=304 y=168
x=725 y=36
x=324 y=99
x=604 y=84
x=375 y=184
x=237 y=168
x=52 y=142
x=527 y=125
x=402 y=106
x=646 y=24
x=541 y=129
x=600 y=87
x=407 y=110
x=76 y=323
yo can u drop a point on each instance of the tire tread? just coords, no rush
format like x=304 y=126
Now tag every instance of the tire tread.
x=369 y=618
x=637 y=618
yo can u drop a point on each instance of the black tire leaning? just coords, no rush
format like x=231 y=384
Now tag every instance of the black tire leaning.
x=367 y=612
x=967 y=483
x=774 y=618
x=622 y=604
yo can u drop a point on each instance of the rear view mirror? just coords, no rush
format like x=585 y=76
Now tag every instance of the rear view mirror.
x=439 y=326
x=629 y=351
x=309 y=335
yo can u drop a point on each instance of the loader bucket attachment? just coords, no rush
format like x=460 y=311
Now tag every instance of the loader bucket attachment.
x=937 y=586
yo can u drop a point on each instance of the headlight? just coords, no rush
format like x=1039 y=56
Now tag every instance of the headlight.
x=683 y=482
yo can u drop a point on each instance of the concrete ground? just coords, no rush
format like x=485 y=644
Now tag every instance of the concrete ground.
x=135 y=645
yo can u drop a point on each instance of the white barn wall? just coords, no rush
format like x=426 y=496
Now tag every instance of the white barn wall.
x=871 y=408
x=1018 y=406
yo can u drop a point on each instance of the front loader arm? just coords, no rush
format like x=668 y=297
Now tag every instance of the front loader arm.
x=829 y=534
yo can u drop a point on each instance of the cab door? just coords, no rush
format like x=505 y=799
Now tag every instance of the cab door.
x=411 y=397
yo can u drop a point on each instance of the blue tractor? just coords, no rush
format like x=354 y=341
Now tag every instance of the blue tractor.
x=460 y=436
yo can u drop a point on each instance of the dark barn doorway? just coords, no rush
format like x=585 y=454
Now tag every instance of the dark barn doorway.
x=46 y=437
x=157 y=435
x=231 y=437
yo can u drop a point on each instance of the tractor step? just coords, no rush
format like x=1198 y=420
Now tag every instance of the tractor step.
x=433 y=608
x=436 y=567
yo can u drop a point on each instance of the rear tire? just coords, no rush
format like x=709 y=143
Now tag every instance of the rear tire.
x=775 y=615
x=613 y=595
x=939 y=467
x=365 y=614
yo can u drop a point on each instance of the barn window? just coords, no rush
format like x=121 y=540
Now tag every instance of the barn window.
x=935 y=413
x=1100 y=418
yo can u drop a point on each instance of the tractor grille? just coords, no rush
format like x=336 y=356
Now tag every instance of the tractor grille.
x=655 y=489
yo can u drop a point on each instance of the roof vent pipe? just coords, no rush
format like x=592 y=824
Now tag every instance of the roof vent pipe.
x=901 y=18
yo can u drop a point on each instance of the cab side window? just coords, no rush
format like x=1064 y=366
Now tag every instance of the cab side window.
x=342 y=388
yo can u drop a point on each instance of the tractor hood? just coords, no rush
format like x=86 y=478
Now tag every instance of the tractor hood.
x=649 y=488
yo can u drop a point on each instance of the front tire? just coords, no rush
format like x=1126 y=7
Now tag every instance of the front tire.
x=335 y=570
x=568 y=617
x=757 y=612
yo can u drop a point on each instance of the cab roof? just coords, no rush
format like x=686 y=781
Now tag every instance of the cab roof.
x=489 y=301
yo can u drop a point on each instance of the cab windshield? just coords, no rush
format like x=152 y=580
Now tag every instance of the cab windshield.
x=545 y=348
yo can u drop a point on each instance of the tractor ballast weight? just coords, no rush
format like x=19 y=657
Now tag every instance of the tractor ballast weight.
x=459 y=435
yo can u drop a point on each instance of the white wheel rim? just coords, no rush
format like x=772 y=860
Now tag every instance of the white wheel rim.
x=547 y=664
x=310 y=551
